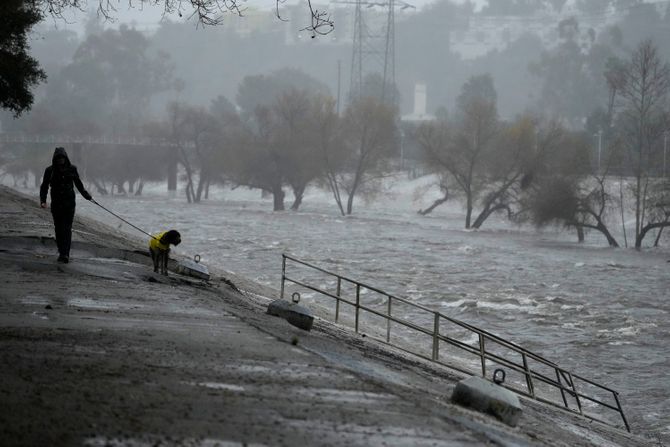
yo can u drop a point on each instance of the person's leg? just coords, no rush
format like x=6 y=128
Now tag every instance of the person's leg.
x=57 y=214
x=68 y=217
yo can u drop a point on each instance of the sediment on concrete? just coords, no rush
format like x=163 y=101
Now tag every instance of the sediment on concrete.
x=103 y=351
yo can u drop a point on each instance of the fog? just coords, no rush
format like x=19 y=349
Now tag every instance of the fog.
x=440 y=44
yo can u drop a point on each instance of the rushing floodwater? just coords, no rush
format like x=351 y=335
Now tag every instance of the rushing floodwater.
x=597 y=311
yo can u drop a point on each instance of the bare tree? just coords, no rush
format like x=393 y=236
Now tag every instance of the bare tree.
x=197 y=135
x=207 y=12
x=326 y=126
x=369 y=133
x=641 y=122
x=444 y=189
x=294 y=138
x=255 y=159
x=462 y=148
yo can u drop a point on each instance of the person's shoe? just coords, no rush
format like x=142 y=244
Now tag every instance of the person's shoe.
x=63 y=259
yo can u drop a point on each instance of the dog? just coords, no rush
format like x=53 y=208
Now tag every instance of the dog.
x=159 y=248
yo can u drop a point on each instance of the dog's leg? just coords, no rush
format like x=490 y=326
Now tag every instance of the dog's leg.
x=154 y=259
x=166 y=256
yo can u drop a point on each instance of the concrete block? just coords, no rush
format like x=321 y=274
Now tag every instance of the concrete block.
x=297 y=315
x=487 y=397
x=193 y=268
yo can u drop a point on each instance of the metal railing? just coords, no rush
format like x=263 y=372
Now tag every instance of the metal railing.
x=571 y=387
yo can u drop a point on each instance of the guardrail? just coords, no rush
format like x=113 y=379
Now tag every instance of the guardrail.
x=534 y=372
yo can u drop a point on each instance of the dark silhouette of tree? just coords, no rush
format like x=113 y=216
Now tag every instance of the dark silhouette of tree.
x=19 y=72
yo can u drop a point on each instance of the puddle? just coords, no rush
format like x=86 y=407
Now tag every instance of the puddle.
x=345 y=396
x=103 y=441
x=218 y=386
x=88 y=303
x=35 y=299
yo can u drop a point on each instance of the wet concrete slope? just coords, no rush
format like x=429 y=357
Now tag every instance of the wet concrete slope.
x=101 y=351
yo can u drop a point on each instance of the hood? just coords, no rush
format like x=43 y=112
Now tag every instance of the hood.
x=60 y=153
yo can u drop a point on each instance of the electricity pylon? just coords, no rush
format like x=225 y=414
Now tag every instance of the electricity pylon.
x=374 y=46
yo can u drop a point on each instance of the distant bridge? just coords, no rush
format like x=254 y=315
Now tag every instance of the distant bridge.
x=90 y=140
x=20 y=137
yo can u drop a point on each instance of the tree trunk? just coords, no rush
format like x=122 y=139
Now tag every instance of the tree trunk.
x=131 y=186
x=486 y=213
x=207 y=188
x=298 y=192
x=102 y=190
x=658 y=237
x=140 y=187
x=335 y=189
x=435 y=204
x=190 y=193
x=350 y=203
x=354 y=189
x=610 y=239
x=580 y=234
x=646 y=229
x=468 y=211
x=201 y=186
x=278 y=198
x=637 y=209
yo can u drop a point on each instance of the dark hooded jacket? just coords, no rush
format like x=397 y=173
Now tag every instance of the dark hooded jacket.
x=62 y=180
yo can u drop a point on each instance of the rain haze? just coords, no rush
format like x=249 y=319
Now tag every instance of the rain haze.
x=502 y=163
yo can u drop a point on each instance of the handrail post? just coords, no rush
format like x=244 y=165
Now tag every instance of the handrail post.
x=618 y=404
x=482 y=353
x=337 y=301
x=388 y=320
x=283 y=275
x=574 y=389
x=436 y=337
x=358 y=305
x=529 y=377
x=560 y=387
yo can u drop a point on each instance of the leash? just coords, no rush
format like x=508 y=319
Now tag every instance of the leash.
x=124 y=220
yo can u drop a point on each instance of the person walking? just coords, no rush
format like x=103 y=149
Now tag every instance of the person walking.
x=62 y=176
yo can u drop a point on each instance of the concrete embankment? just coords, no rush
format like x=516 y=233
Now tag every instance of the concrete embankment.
x=101 y=351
